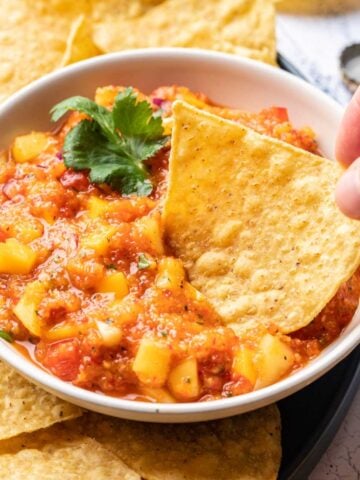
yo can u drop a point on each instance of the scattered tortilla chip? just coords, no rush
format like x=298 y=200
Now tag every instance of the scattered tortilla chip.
x=58 y=453
x=33 y=39
x=25 y=407
x=245 y=447
x=255 y=222
x=242 y=27
x=79 y=43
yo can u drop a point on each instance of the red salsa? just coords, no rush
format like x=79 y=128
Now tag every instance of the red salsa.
x=89 y=288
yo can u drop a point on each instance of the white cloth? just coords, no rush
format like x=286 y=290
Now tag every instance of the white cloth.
x=314 y=43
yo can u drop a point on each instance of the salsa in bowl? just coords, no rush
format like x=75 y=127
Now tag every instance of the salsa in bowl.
x=92 y=289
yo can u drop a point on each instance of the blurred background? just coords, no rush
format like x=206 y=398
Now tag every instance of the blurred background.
x=313 y=33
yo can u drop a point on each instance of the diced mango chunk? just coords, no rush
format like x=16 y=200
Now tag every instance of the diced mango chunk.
x=171 y=274
x=273 y=361
x=183 y=380
x=63 y=330
x=27 y=147
x=152 y=362
x=26 y=308
x=168 y=124
x=111 y=335
x=193 y=292
x=98 y=207
x=105 y=96
x=243 y=364
x=123 y=311
x=15 y=257
x=150 y=227
x=114 y=283
x=28 y=229
x=99 y=240
x=192 y=98
x=158 y=394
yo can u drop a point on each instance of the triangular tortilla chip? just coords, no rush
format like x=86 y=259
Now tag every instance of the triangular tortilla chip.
x=59 y=453
x=24 y=407
x=255 y=221
x=79 y=45
x=244 y=447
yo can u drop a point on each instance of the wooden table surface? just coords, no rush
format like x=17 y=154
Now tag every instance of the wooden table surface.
x=313 y=44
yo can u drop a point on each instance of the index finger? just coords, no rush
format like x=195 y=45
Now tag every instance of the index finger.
x=348 y=140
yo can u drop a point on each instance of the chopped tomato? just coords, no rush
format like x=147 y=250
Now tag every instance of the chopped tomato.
x=78 y=181
x=62 y=359
x=280 y=114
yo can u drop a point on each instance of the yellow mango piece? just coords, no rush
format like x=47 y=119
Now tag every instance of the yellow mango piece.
x=27 y=147
x=114 y=283
x=273 y=361
x=26 y=308
x=183 y=380
x=193 y=292
x=99 y=240
x=98 y=207
x=64 y=330
x=110 y=334
x=151 y=228
x=243 y=364
x=158 y=394
x=28 y=229
x=15 y=257
x=152 y=362
x=171 y=274
x=168 y=124
x=105 y=96
x=189 y=97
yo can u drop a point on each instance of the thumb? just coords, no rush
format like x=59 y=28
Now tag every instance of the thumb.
x=348 y=139
x=347 y=192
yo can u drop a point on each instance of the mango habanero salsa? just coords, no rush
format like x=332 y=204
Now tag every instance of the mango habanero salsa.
x=89 y=289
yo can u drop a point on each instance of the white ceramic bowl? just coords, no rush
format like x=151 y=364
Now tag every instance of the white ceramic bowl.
x=225 y=79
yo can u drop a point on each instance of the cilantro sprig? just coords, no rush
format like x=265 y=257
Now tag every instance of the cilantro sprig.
x=113 y=145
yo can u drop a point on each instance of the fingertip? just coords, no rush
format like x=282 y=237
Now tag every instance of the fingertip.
x=347 y=147
x=347 y=193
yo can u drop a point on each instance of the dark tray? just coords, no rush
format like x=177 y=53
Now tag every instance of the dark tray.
x=311 y=417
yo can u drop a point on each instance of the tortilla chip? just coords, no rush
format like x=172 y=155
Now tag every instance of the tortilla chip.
x=245 y=447
x=33 y=39
x=79 y=43
x=255 y=222
x=244 y=27
x=58 y=453
x=25 y=407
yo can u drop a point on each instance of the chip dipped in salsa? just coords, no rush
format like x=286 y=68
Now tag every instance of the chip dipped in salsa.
x=89 y=287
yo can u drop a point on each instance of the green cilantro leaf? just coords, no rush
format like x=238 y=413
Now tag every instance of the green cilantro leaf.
x=114 y=144
x=101 y=115
x=135 y=119
x=6 y=336
x=143 y=262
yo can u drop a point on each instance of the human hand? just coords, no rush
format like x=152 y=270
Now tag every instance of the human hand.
x=348 y=153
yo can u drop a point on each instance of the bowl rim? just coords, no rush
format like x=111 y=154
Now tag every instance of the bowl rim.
x=246 y=402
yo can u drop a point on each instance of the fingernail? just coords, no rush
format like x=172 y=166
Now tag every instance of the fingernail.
x=347 y=192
